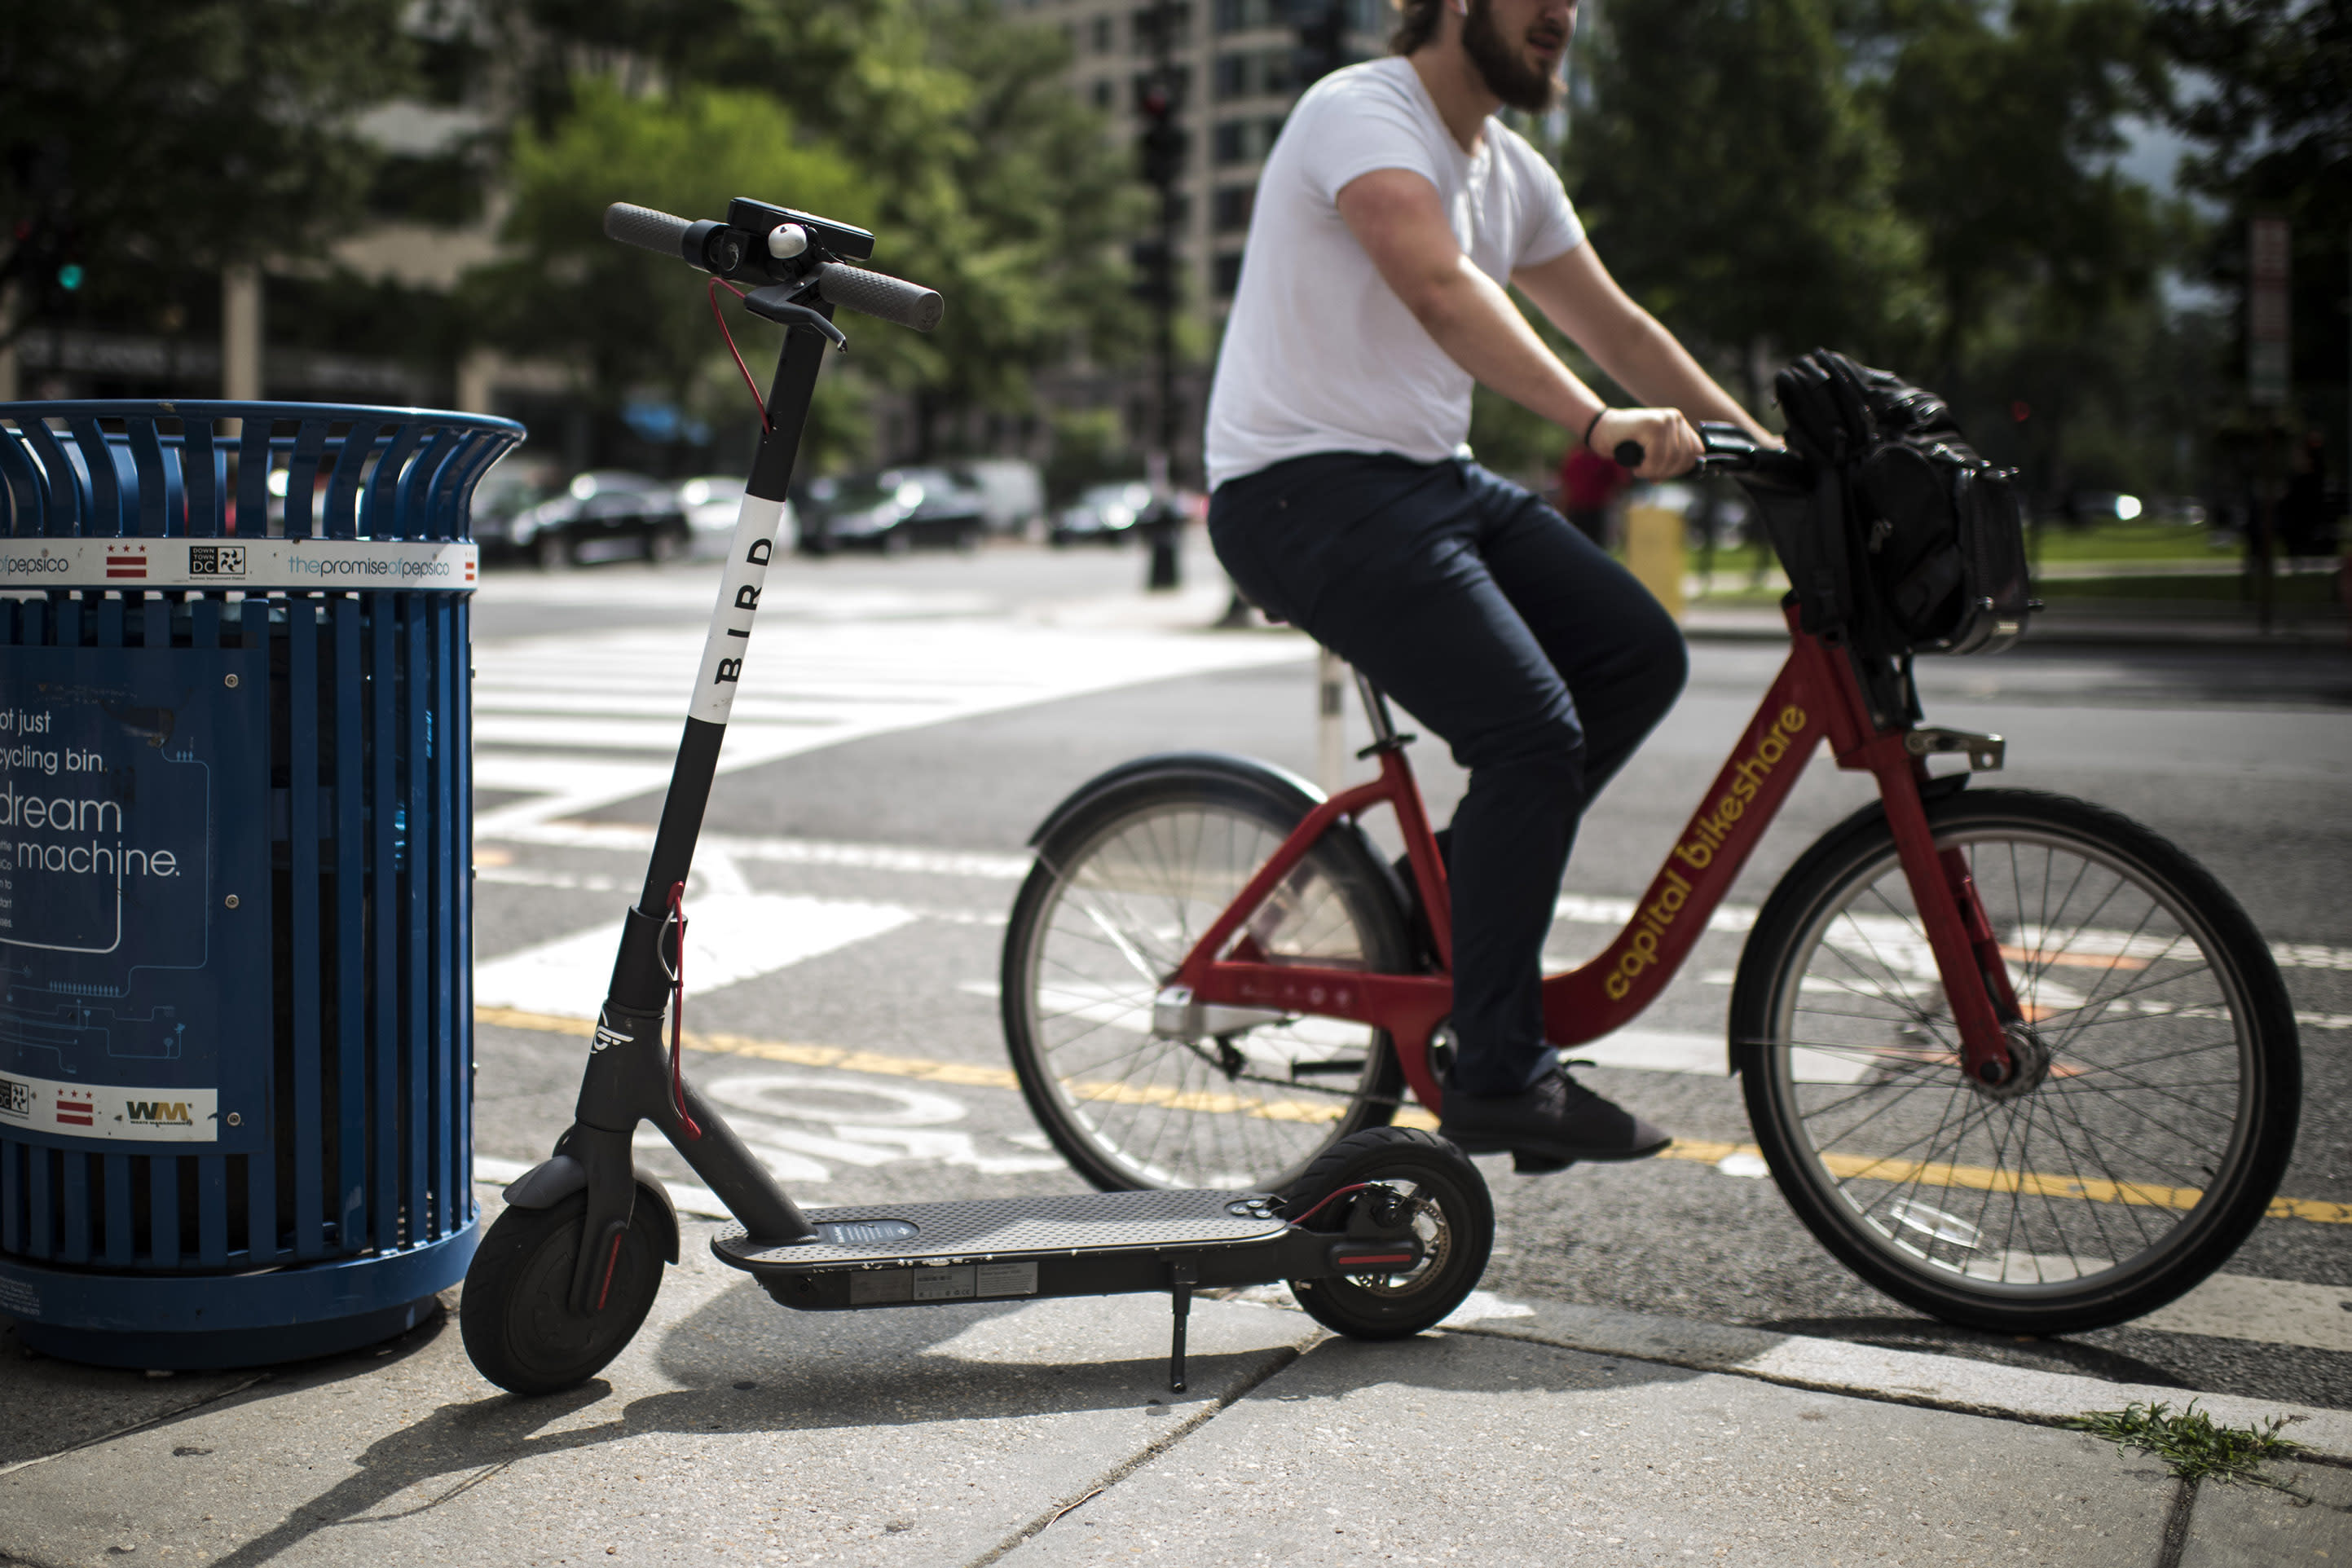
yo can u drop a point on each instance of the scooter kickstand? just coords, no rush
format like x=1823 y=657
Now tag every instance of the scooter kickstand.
x=1182 y=1278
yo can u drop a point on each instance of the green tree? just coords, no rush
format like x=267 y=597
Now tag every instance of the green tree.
x=985 y=178
x=2269 y=102
x=1735 y=181
x=633 y=321
x=139 y=141
x=2004 y=122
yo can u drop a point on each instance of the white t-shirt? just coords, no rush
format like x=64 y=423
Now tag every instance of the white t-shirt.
x=1320 y=354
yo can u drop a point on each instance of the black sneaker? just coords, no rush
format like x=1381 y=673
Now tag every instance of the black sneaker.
x=1556 y=1118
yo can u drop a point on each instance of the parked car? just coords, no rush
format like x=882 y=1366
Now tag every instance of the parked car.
x=711 y=503
x=891 y=510
x=602 y=514
x=505 y=493
x=1012 y=492
x=1104 y=514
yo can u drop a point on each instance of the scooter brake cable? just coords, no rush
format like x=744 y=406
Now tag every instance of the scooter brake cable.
x=677 y=1010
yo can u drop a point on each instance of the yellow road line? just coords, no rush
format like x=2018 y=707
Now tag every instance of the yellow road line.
x=1974 y=1178
x=2030 y=1183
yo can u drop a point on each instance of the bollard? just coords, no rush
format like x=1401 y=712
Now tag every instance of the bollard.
x=1654 y=552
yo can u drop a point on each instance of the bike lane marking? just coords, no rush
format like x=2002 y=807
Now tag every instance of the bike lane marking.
x=730 y=937
x=980 y=1075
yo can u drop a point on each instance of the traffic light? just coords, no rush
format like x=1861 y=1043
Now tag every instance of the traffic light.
x=1321 y=27
x=1162 y=148
x=70 y=276
x=1155 y=272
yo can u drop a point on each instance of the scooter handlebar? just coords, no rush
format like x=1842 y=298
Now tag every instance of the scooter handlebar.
x=880 y=295
x=648 y=229
x=875 y=294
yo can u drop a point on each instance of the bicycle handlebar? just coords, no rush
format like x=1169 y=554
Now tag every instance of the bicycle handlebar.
x=1727 y=449
x=875 y=294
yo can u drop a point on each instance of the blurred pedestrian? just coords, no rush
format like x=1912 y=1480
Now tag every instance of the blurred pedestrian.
x=1589 y=482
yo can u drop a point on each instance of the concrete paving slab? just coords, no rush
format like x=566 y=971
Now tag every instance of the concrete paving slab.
x=1463 y=1449
x=2240 y=1526
x=732 y=1430
x=1911 y=1377
x=49 y=1407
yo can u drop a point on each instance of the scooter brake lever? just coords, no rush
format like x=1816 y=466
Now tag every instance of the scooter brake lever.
x=775 y=302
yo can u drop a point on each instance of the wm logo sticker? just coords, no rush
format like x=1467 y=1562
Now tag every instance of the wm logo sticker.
x=160 y=1112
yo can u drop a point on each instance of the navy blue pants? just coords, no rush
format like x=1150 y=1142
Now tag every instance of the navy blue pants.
x=1539 y=660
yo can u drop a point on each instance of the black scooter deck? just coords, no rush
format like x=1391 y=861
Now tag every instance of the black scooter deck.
x=1085 y=1244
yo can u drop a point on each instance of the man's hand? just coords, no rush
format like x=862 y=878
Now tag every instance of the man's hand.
x=1669 y=445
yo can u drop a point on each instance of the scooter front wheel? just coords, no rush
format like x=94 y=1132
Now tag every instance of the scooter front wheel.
x=516 y=1317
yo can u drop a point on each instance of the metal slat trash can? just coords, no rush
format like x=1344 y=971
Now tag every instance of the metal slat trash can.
x=235 y=899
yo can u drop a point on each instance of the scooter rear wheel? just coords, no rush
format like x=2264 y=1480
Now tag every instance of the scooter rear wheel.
x=1452 y=1212
x=515 y=1314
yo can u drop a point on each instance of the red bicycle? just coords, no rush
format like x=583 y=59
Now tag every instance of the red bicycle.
x=2012 y=1057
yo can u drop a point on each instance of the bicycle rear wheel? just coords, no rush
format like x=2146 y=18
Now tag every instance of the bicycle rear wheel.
x=1127 y=880
x=2162 y=1079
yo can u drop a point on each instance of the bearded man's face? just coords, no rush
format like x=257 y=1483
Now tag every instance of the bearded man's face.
x=1518 y=46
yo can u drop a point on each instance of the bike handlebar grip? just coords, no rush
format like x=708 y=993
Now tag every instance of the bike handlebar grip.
x=644 y=227
x=879 y=294
x=1629 y=454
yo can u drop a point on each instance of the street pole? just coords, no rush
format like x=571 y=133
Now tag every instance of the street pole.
x=1164 y=159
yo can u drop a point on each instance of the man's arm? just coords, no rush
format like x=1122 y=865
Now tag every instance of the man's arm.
x=1397 y=217
x=1584 y=301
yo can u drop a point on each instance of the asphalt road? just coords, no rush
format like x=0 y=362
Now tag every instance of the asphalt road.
x=906 y=723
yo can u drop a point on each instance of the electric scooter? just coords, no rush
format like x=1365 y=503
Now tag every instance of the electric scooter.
x=1382 y=1236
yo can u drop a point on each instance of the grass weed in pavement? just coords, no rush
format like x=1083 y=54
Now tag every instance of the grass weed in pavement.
x=2190 y=1443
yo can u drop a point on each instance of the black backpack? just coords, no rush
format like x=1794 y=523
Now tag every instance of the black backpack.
x=1910 y=541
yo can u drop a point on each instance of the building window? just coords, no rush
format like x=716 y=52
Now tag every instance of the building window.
x=1233 y=208
x=1250 y=16
x=1144 y=26
x=1104 y=35
x=1235 y=142
x=1103 y=93
x=1227 y=274
x=1253 y=73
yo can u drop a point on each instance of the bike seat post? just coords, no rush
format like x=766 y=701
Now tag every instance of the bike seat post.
x=1376 y=713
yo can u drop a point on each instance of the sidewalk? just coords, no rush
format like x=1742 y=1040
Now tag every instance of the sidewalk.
x=733 y=1431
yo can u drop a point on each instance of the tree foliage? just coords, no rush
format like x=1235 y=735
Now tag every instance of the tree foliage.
x=634 y=319
x=2269 y=105
x=139 y=140
x=2005 y=134
x=1734 y=176
x=981 y=175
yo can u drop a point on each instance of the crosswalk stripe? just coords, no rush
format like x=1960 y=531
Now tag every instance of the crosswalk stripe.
x=561 y=719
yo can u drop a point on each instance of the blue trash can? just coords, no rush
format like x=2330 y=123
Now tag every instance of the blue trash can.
x=235 y=889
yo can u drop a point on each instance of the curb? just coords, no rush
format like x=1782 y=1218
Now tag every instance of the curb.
x=1893 y=1376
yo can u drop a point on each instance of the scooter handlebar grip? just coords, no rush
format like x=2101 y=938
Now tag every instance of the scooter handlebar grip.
x=1629 y=454
x=881 y=295
x=647 y=228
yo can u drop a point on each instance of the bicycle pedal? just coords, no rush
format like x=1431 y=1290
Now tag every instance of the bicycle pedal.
x=1527 y=1165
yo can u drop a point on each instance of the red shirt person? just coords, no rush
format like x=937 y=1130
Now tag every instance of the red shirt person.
x=1588 y=483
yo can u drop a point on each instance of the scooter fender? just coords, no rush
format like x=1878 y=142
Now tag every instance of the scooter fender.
x=552 y=1181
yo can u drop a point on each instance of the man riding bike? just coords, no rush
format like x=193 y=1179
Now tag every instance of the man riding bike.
x=1392 y=212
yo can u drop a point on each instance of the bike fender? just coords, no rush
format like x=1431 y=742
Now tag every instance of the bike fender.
x=547 y=1184
x=552 y=1181
x=664 y=1209
x=1280 y=783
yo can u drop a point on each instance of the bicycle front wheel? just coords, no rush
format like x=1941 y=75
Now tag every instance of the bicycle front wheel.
x=1125 y=884
x=2161 y=1080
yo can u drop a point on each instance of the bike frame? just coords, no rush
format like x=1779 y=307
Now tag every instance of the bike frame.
x=1820 y=696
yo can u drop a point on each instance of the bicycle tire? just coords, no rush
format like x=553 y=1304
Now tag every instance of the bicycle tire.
x=2166 y=1108
x=1129 y=874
